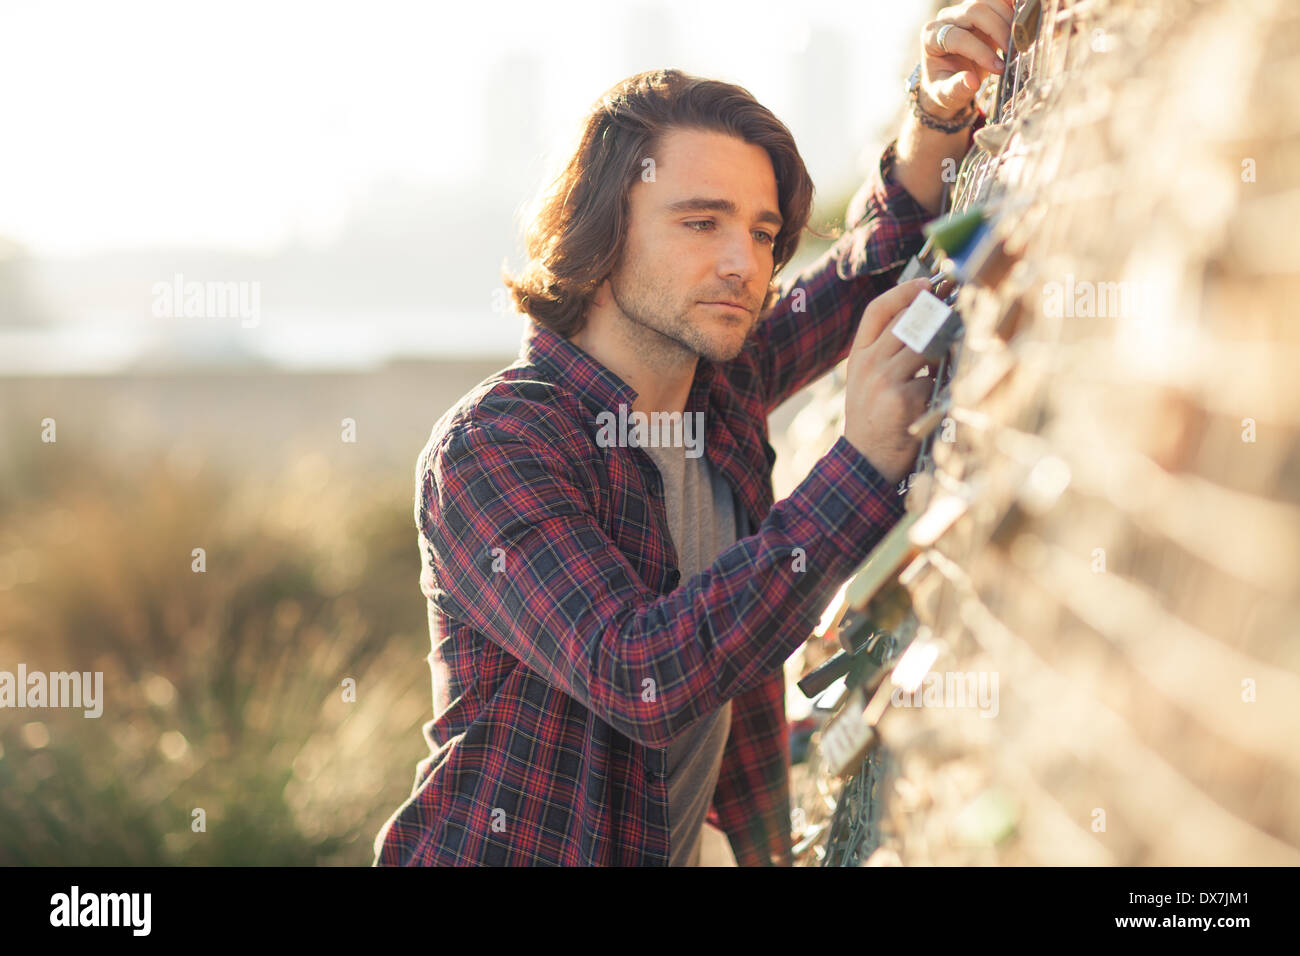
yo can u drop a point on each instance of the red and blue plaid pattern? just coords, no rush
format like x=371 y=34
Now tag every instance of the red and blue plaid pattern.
x=566 y=652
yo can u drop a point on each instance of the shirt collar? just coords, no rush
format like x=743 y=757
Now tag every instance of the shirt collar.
x=599 y=388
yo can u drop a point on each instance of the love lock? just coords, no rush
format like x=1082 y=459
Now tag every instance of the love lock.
x=925 y=584
x=928 y=326
x=990 y=263
x=847 y=737
x=882 y=564
x=1024 y=26
x=991 y=139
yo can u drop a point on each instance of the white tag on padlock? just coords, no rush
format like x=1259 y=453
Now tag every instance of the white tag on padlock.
x=918 y=325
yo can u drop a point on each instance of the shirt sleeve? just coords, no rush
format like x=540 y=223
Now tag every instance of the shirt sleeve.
x=514 y=548
x=810 y=327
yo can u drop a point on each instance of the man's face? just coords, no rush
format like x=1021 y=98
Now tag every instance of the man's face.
x=701 y=233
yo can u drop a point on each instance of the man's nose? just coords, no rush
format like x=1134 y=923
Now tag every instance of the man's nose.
x=739 y=260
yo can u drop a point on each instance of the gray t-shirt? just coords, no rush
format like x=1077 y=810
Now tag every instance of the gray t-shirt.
x=704 y=520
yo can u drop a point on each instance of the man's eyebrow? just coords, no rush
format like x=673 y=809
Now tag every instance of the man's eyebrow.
x=703 y=204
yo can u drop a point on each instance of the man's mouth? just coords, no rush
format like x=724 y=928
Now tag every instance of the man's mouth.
x=728 y=304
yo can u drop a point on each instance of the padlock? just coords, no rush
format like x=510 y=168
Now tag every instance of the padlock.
x=855 y=631
x=950 y=234
x=928 y=326
x=867 y=663
x=850 y=734
x=921 y=264
x=881 y=565
x=821 y=677
x=929 y=421
x=958 y=262
x=888 y=607
x=847 y=738
x=991 y=139
x=942 y=514
x=989 y=263
x=1024 y=25
x=914 y=269
x=919 y=490
x=925 y=584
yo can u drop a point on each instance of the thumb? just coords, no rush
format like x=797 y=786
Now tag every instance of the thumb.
x=882 y=309
x=956 y=91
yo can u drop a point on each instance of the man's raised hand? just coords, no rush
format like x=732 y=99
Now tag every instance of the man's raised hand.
x=882 y=396
x=950 y=74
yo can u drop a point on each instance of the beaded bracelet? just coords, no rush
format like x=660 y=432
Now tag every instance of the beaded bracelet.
x=943 y=127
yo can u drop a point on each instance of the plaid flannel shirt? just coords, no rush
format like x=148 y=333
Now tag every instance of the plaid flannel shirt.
x=566 y=652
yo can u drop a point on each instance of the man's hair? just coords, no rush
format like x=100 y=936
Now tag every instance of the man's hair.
x=578 y=233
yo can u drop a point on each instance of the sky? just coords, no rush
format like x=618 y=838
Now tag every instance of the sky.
x=242 y=125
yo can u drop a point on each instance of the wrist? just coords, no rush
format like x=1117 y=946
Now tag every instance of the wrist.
x=892 y=473
x=929 y=114
x=934 y=110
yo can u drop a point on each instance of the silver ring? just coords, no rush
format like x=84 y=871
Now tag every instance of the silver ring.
x=943 y=35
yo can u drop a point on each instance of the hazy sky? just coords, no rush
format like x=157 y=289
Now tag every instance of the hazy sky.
x=243 y=123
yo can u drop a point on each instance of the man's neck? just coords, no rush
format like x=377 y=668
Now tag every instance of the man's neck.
x=658 y=369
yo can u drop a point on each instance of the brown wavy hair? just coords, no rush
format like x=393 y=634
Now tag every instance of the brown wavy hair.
x=577 y=235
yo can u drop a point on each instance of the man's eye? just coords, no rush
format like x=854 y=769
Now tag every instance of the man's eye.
x=768 y=238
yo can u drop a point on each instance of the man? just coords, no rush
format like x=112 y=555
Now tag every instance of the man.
x=610 y=614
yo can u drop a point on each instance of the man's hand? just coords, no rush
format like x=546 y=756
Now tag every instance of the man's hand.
x=883 y=396
x=950 y=75
x=976 y=30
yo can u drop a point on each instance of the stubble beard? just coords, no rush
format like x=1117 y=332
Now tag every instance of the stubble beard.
x=665 y=335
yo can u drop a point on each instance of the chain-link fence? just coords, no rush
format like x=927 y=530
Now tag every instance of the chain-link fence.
x=1097 y=661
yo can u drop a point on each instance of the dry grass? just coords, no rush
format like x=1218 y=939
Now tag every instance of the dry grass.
x=223 y=689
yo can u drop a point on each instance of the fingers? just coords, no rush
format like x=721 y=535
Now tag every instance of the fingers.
x=960 y=41
x=880 y=312
x=918 y=393
x=915 y=397
x=903 y=364
x=992 y=17
x=978 y=31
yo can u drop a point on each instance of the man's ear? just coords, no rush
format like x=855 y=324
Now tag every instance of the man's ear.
x=601 y=297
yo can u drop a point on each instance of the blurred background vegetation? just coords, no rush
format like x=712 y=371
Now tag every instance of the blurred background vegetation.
x=224 y=689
